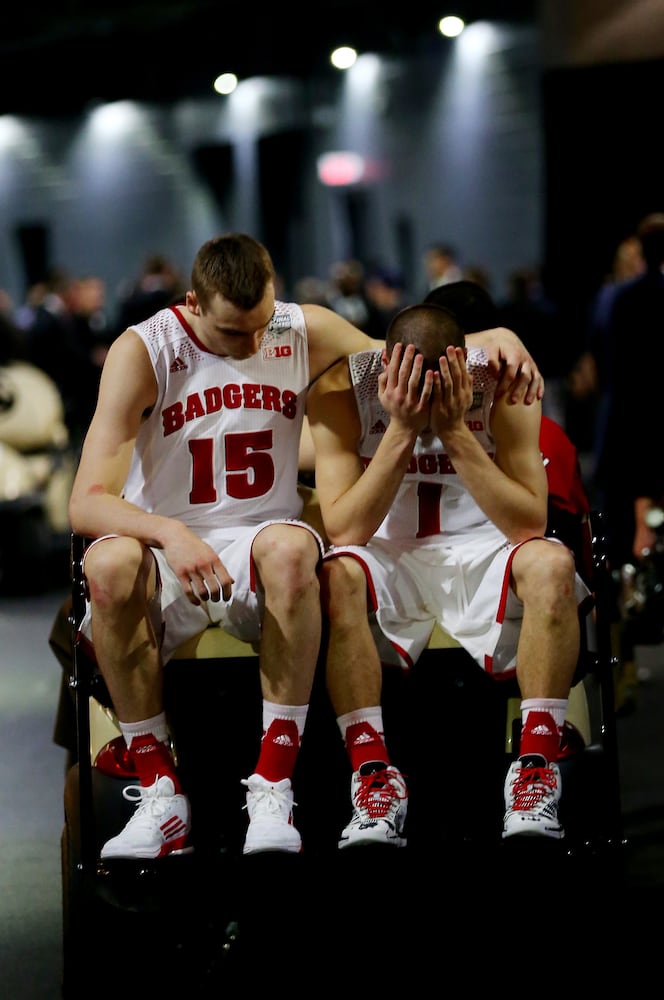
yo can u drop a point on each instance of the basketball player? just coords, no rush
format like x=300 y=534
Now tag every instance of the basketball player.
x=434 y=495
x=188 y=485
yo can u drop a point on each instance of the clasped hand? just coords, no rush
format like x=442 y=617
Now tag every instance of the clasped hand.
x=422 y=400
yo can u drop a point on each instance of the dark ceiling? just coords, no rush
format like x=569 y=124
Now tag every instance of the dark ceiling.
x=55 y=59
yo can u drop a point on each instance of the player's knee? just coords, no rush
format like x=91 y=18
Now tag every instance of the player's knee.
x=286 y=560
x=114 y=568
x=561 y=567
x=545 y=568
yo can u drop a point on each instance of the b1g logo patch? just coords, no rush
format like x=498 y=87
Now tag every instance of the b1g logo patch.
x=277 y=351
x=477 y=399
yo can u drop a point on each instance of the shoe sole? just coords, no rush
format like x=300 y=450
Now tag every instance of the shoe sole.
x=366 y=840
x=144 y=856
x=271 y=849
x=556 y=834
x=371 y=843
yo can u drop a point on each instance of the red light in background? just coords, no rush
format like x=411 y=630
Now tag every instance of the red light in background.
x=339 y=169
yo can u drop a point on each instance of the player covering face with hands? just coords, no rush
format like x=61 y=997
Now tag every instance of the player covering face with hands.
x=434 y=495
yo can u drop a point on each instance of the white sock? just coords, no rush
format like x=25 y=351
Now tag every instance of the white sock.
x=556 y=707
x=156 y=725
x=372 y=715
x=296 y=713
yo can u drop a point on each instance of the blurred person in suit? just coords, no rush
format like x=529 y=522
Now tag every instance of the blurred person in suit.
x=441 y=265
x=626 y=475
x=532 y=313
x=67 y=336
x=589 y=378
x=385 y=293
x=346 y=293
x=160 y=284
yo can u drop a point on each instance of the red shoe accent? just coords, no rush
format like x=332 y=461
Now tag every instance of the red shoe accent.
x=571 y=742
x=175 y=834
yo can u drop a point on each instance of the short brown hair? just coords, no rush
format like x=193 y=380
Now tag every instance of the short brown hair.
x=430 y=328
x=235 y=266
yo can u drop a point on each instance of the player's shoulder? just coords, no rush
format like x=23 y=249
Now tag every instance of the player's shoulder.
x=126 y=343
x=477 y=363
x=286 y=316
x=166 y=317
x=365 y=366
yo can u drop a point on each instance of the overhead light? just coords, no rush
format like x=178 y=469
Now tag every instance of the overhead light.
x=343 y=57
x=226 y=83
x=451 y=26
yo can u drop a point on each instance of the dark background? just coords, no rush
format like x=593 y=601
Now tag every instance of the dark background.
x=599 y=85
x=604 y=169
x=55 y=58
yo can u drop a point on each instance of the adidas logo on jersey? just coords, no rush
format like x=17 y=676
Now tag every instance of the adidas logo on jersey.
x=177 y=365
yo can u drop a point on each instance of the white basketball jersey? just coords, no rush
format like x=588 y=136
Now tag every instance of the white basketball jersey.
x=220 y=447
x=431 y=499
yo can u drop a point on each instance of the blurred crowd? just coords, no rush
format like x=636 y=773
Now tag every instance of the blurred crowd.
x=66 y=323
x=65 y=326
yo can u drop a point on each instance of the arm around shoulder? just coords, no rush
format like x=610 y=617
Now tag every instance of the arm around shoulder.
x=330 y=338
x=514 y=367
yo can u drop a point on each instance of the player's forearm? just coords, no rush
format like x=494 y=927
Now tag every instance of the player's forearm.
x=517 y=511
x=356 y=514
x=93 y=514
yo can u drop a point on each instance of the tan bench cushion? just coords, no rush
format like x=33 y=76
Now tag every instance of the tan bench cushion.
x=215 y=642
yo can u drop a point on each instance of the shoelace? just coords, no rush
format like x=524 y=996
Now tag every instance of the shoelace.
x=377 y=793
x=272 y=799
x=151 y=803
x=531 y=786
